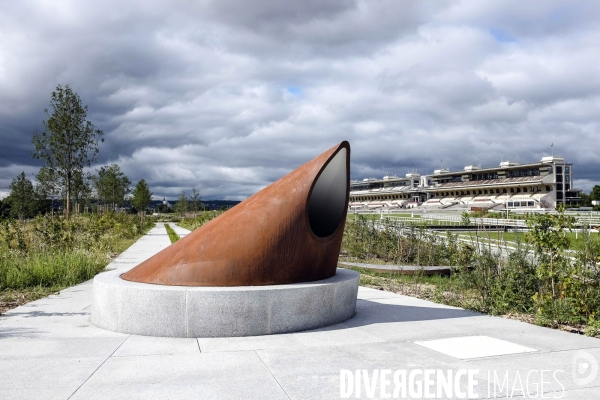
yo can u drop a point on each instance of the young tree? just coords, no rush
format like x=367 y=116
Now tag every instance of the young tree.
x=195 y=200
x=547 y=233
x=111 y=185
x=142 y=196
x=586 y=200
x=48 y=186
x=4 y=209
x=82 y=190
x=22 y=197
x=595 y=193
x=182 y=206
x=69 y=141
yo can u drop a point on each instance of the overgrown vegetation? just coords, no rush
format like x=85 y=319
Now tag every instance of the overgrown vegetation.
x=173 y=236
x=48 y=254
x=536 y=278
x=199 y=220
x=366 y=239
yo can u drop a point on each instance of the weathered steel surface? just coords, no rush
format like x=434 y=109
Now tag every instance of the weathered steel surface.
x=283 y=234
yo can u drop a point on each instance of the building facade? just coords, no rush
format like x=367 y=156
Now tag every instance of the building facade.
x=511 y=185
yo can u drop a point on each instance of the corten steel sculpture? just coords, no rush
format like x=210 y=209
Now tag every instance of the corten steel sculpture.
x=289 y=232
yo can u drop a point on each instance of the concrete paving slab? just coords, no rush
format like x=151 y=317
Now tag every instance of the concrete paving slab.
x=42 y=373
x=213 y=390
x=49 y=349
x=182 y=232
x=278 y=341
x=336 y=335
x=525 y=371
x=467 y=347
x=148 y=346
x=576 y=394
x=202 y=375
x=321 y=361
x=551 y=340
x=47 y=393
x=322 y=387
x=17 y=348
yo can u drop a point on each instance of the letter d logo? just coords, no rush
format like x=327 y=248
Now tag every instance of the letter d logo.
x=585 y=368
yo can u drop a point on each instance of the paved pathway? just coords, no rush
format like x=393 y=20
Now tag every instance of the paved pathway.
x=179 y=230
x=49 y=350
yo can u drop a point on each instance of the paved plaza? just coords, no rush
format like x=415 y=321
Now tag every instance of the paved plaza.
x=50 y=350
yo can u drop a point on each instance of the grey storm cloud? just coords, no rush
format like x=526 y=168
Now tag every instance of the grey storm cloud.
x=228 y=96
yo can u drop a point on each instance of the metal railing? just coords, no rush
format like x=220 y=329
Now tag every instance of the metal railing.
x=590 y=219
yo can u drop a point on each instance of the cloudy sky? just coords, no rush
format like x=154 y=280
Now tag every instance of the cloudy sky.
x=228 y=96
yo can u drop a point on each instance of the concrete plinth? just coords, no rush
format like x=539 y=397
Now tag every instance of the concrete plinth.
x=184 y=311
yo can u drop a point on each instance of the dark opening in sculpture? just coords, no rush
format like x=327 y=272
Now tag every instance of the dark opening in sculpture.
x=327 y=202
x=289 y=232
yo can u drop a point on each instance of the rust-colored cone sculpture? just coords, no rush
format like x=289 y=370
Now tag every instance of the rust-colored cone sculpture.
x=289 y=232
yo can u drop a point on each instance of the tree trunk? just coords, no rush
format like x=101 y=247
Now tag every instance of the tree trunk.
x=68 y=206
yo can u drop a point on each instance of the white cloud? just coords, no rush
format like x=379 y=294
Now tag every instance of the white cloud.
x=228 y=96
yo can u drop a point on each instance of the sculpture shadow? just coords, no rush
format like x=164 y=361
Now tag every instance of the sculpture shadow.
x=373 y=312
x=10 y=331
x=6 y=333
x=40 y=314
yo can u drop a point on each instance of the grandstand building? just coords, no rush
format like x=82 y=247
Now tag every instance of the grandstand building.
x=391 y=191
x=511 y=185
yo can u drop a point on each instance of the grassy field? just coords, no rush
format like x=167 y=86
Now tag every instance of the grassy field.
x=199 y=220
x=47 y=254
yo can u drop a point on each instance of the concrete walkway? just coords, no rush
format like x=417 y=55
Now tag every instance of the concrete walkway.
x=179 y=230
x=49 y=350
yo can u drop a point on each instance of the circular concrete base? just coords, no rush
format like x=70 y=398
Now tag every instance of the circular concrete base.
x=192 y=311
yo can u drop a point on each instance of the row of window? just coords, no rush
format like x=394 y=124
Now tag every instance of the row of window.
x=515 y=173
x=484 y=177
x=401 y=183
x=521 y=204
x=512 y=190
x=531 y=189
x=384 y=197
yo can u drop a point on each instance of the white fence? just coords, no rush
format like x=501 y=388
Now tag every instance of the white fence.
x=590 y=219
x=448 y=220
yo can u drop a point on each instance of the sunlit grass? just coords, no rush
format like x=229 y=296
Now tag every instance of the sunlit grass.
x=49 y=254
x=173 y=236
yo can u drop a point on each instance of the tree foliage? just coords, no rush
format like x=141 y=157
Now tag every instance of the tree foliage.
x=142 y=196
x=111 y=185
x=68 y=143
x=182 y=204
x=4 y=209
x=22 y=198
x=586 y=201
x=547 y=233
x=595 y=193
x=195 y=200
